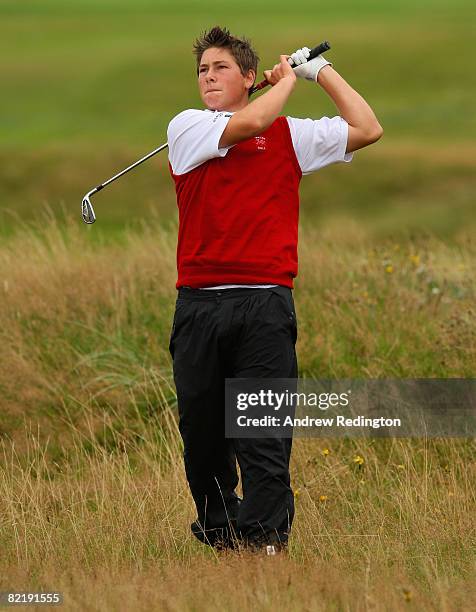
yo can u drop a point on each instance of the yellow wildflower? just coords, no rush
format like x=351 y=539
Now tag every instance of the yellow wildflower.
x=358 y=459
x=407 y=594
x=389 y=269
x=323 y=498
x=415 y=259
x=325 y=452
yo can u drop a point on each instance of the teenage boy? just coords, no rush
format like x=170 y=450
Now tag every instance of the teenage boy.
x=237 y=167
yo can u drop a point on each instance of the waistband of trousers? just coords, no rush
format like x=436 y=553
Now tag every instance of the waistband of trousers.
x=187 y=293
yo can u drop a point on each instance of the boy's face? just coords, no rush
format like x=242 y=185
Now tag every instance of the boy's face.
x=221 y=84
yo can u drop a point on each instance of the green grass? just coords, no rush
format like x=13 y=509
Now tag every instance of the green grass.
x=91 y=86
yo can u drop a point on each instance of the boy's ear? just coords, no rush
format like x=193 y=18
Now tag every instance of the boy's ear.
x=250 y=79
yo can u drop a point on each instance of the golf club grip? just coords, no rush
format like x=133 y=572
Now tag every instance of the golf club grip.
x=324 y=46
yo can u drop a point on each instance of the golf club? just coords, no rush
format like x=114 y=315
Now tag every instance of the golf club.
x=87 y=209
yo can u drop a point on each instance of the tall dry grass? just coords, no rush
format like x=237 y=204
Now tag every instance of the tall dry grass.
x=93 y=500
x=109 y=528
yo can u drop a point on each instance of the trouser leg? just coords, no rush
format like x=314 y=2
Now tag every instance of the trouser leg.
x=266 y=350
x=209 y=457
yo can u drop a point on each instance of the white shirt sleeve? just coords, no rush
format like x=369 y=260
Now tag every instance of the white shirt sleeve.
x=320 y=142
x=193 y=138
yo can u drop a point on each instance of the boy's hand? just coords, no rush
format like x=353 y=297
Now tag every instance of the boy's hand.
x=280 y=71
x=307 y=70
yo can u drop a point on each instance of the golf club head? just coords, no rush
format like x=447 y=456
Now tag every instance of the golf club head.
x=87 y=210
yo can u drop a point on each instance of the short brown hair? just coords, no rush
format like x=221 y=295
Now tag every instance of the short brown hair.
x=241 y=49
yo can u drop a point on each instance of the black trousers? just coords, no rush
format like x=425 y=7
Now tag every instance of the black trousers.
x=228 y=333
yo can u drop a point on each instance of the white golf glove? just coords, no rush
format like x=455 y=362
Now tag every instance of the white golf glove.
x=307 y=70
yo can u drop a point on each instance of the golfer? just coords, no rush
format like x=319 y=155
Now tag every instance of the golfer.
x=237 y=165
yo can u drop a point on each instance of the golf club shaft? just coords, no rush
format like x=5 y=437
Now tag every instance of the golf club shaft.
x=140 y=161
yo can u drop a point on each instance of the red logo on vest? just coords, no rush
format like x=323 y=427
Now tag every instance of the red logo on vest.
x=260 y=143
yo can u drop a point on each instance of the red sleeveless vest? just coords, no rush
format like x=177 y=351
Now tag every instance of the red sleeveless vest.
x=238 y=214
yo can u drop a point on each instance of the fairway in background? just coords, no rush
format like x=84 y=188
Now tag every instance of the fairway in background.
x=93 y=85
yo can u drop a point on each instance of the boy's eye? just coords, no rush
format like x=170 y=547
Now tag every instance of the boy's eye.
x=202 y=70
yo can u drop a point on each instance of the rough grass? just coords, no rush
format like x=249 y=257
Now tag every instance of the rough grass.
x=94 y=500
x=107 y=526
x=82 y=320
